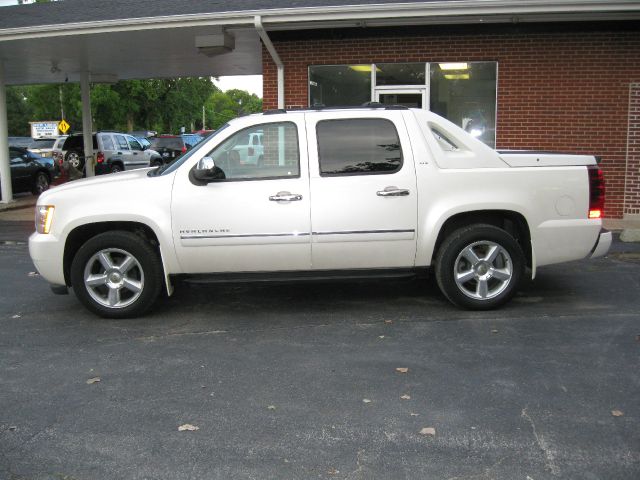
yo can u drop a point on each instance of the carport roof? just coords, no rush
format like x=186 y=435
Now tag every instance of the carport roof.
x=120 y=39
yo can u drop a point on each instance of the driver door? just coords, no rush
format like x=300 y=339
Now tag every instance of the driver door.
x=256 y=218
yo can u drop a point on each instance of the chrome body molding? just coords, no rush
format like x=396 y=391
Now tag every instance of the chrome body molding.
x=294 y=234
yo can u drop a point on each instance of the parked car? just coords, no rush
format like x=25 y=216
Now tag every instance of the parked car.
x=249 y=149
x=171 y=147
x=29 y=172
x=114 y=151
x=20 y=142
x=139 y=155
x=344 y=193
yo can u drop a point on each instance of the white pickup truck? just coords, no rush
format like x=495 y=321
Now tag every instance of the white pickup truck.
x=342 y=193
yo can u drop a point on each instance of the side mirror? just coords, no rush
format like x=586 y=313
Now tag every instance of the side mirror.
x=206 y=171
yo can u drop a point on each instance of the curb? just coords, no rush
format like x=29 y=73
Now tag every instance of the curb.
x=7 y=207
x=630 y=235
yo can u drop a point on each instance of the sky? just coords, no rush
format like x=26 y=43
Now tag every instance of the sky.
x=250 y=83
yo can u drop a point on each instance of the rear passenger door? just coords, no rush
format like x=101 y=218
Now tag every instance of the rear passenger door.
x=139 y=158
x=122 y=149
x=363 y=190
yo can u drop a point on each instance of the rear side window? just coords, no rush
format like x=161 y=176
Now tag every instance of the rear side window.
x=107 y=142
x=173 y=143
x=358 y=147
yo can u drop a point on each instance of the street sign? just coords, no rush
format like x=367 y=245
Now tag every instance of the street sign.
x=63 y=126
x=44 y=129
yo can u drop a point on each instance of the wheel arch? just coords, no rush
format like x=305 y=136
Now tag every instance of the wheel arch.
x=80 y=234
x=511 y=221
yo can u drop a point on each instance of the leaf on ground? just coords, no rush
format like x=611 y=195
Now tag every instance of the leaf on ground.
x=414 y=414
x=617 y=413
x=188 y=427
x=494 y=331
x=430 y=431
x=33 y=274
x=381 y=336
x=402 y=369
x=406 y=397
x=93 y=380
x=366 y=400
x=13 y=428
x=16 y=316
x=271 y=407
x=388 y=321
x=333 y=471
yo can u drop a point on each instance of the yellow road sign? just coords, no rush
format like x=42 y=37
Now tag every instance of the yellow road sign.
x=64 y=126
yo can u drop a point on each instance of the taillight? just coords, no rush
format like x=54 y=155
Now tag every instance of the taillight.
x=251 y=151
x=100 y=157
x=184 y=149
x=596 y=192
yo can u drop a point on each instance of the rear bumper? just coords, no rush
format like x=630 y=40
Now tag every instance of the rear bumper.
x=603 y=244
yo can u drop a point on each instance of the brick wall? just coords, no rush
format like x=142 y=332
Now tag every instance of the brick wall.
x=632 y=188
x=560 y=88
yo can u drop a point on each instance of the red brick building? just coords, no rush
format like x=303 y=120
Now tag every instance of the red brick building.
x=570 y=87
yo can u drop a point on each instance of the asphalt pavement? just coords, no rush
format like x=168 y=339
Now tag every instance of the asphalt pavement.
x=301 y=381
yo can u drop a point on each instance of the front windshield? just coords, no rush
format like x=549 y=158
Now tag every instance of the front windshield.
x=173 y=166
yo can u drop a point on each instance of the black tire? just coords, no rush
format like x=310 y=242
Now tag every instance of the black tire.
x=41 y=183
x=487 y=283
x=156 y=162
x=147 y=272
x=75 y=159
x=116 y=167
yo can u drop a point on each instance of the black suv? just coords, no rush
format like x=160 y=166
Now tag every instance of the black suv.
x=172 y=146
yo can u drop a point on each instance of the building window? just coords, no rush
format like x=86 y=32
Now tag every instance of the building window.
x=400 y=74
x=358 y=146
x=339 y=85
x=465 y=94
x=462 y=92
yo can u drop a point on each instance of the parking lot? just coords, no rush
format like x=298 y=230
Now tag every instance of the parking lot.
x=301 y=381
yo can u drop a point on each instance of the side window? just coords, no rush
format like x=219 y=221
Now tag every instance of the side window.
x=445 y=142
x=278 y=158
x=107 y=142
x=134 y=144
x=122 y=142
x=358 y=146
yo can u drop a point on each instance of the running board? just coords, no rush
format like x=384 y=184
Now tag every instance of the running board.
x=305 y=275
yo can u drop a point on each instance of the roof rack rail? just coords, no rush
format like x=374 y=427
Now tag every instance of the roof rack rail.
x=318 y=107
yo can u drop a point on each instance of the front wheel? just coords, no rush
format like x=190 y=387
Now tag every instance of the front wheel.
x=117 y=275
x=479 y=267
x=40 y=183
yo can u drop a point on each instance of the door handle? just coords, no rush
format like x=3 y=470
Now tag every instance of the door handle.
x=393 y=192
x=285 y=197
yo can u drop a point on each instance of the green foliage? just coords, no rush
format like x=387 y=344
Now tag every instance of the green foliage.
x=223 y=106
x=163 y=105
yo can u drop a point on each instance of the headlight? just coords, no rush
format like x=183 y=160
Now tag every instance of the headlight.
x=44 y=216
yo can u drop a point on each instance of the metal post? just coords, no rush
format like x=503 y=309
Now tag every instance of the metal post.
x=5 y=168
x=87 y=123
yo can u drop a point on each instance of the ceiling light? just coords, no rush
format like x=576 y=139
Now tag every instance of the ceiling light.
x=456 y=76
x=454 y=66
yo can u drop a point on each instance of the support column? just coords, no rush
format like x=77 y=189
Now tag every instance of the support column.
x=87 y=123
x=5 y=166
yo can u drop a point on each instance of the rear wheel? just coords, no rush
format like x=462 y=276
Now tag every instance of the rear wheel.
x=116 y=167
x=41 y=183
x=479 y=267
x=117 y=274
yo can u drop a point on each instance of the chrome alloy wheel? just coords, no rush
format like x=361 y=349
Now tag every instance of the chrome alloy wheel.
x=483 y=270
x=73 y=159
x=114 y=278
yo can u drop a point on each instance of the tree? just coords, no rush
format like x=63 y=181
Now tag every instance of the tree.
x=224 y=106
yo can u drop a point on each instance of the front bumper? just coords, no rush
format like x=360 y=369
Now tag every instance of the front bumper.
x=46 y=252
x=603 y=244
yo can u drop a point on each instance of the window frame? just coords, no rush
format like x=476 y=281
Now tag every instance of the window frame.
x=354 y=174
